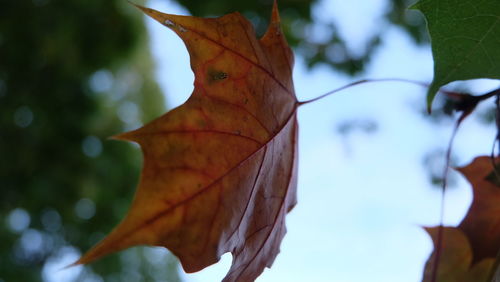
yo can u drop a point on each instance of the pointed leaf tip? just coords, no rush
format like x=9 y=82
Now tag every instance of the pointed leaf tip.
x=76 y=263
x=126 y=136
x=275 y=16
x=156 y=15
x=132 y=3
x=142 y=8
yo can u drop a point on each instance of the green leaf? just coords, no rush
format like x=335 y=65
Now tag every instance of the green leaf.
x=465 y=38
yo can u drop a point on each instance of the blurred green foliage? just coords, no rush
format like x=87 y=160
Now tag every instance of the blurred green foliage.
x=74 y=72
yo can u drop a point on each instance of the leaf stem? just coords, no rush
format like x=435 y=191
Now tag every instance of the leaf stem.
x=490 y=94
x=450 y=94
x=363 y=81
x=439 y=240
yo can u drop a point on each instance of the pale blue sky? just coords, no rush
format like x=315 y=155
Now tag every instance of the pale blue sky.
x=361 y=197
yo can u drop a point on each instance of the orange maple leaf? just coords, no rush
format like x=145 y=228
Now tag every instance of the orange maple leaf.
x=482 y=221
x=219 y=171
x=456 y=263
x=468 y=251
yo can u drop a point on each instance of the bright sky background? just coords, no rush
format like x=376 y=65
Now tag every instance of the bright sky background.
x=362 y=197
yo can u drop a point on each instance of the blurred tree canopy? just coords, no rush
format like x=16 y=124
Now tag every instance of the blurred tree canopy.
x=74 y=72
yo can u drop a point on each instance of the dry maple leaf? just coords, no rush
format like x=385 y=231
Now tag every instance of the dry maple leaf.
x=468 y=251
x=219 y=171
x=482 y=221
x=456 y=263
